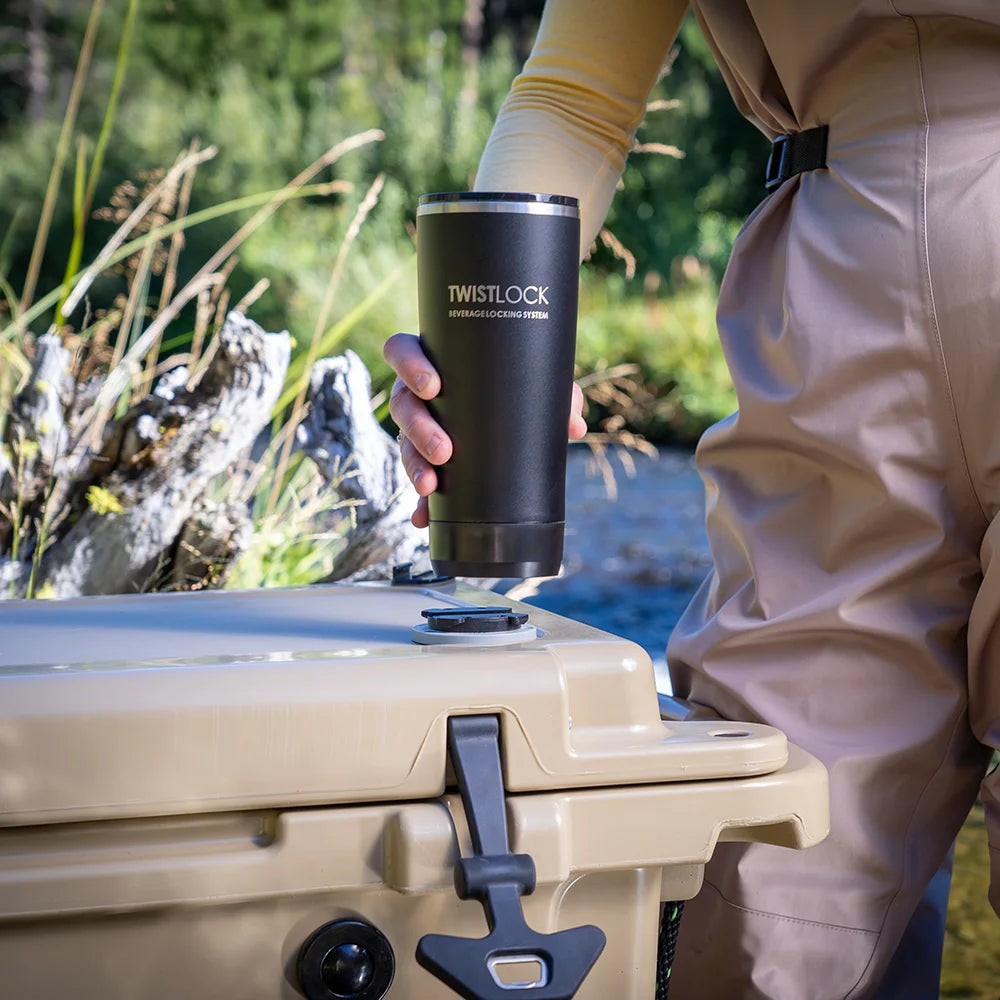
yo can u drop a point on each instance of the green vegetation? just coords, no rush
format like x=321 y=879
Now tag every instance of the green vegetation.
x=270 y=86
x=972 y=939
x=173 y=160
x=680 y=384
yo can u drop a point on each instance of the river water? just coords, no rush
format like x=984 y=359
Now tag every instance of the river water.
x=634 y=553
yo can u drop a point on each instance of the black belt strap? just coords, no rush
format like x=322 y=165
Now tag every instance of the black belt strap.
x=792 y=154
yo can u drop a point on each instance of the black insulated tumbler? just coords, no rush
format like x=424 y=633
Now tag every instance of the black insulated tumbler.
x=497 y=286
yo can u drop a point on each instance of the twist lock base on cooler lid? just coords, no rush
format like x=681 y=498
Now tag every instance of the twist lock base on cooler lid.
x=473 y=626
x=460 y=548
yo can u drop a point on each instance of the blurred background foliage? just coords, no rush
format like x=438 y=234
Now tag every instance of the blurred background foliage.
x=273 y=83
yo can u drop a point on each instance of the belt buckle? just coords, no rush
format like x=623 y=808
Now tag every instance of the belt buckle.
x=777 y=164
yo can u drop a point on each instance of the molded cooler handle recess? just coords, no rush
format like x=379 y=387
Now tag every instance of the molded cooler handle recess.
x=497 y=878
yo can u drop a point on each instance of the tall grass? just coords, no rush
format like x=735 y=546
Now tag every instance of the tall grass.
x=124 y=345
x=646 y=366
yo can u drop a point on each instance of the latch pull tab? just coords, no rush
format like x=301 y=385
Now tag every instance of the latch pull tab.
x=512 y=961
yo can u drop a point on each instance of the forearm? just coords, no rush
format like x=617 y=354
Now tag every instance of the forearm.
x=569 y=121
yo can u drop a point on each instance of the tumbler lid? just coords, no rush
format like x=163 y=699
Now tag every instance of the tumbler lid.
x=525 y=202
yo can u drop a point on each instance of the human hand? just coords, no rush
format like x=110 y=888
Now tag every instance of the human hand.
x=423 y=441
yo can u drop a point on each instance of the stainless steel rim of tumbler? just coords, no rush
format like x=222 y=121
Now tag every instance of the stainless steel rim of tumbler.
x=502 y=207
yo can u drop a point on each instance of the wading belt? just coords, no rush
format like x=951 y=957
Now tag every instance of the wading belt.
x=795 y=153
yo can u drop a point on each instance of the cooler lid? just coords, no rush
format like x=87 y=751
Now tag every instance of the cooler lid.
x=163 y=704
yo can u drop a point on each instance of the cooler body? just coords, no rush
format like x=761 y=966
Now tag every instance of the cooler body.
x=194 y=789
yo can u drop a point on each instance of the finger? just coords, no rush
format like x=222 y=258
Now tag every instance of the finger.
x=416 y=424
x=406 y=358
x=577 y=425
x=420 y=518
x=418 y=470
x=424 y=480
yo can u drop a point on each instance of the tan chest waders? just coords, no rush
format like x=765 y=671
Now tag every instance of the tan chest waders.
x=325 y=792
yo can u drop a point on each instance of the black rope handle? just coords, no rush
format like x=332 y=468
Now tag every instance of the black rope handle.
x=670 y=922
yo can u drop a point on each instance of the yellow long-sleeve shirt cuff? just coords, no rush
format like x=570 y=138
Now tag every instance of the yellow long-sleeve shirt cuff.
x=570 y=119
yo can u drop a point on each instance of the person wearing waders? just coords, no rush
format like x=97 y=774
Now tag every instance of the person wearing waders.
x=852 y=501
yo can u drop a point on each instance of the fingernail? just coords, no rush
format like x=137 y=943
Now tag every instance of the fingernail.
x=433 y=443
x=421 y=381
x=416 y=479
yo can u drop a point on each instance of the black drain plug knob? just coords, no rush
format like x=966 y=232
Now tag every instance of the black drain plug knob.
x=346 y=960
x=347 y=969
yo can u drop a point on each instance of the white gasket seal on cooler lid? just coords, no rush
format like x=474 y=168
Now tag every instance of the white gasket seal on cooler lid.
x=426 y=636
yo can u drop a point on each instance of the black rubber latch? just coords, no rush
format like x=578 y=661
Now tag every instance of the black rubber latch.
x=486 y=619
x=472 y=966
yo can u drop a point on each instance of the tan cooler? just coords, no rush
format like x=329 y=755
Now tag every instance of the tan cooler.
x=277 y=794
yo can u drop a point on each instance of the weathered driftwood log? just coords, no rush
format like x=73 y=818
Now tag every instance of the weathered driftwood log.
x=13 y=577
x=361 y=462
x=154 y=465
x=35 y=438
x=210 y=542
x=132 y=513
x=35 y=435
